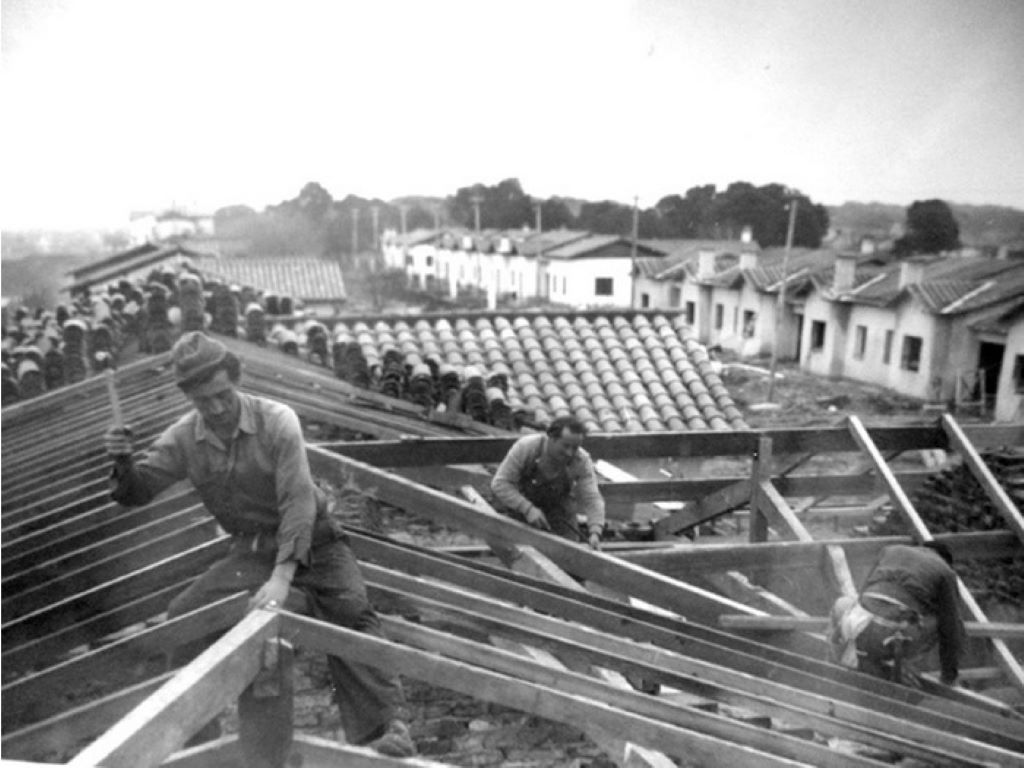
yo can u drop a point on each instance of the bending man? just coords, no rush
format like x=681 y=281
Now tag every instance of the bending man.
x=907 y=605
x=246 y=457
x=546 y=479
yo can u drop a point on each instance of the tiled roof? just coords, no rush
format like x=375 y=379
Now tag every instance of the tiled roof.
x=616 y=372
x=949 y=285
x=591 y=244
x=553 y=238
x=308 y=279
x=416 y=237
x=802 y=262
x=680 y=257
x=999 y=320
x=130 y=263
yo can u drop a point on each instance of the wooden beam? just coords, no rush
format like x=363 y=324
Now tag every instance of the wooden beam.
x=759 y=507
x=702 y=510
x=1004 y=630
x=542 y=700
x=163 y=722
x=593 y=690
x=42 y=694
x=799 y=670
x=826 y=715
x=529 y=561
x=460 y=450
x=66 y=731
x=683 y=598
x=104 y=570
x=96 y=600
x=997 y=495
x=50 y=649
x=682 y=561
x=921 y=534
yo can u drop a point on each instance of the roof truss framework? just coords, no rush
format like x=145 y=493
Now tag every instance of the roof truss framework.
x=50 y=532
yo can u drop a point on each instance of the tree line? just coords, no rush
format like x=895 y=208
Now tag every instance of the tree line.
x=315 y=223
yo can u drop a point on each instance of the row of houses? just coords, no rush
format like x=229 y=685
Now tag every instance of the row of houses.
x=944 y=328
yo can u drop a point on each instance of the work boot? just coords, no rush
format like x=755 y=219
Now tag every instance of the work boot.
x=395 y=741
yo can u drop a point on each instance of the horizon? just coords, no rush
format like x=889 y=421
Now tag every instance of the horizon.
x=117 y=106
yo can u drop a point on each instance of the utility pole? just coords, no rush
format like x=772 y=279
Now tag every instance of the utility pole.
x=632 y=254
x=375 y=212
x=476 y=200
x=403 y=212
x=780 y=305
x=355 y=232
x=536 y=214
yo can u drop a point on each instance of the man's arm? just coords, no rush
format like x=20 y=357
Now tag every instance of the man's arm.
x=133 y=483
x=296 y=494
x=505 y=484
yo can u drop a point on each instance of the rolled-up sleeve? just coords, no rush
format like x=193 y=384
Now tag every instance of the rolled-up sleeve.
x=505 y=483
x=296 y=494
x=586 y=494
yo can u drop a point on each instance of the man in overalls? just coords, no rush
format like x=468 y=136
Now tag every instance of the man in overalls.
x=907 y=605
x=246 y=457
x=545 y=479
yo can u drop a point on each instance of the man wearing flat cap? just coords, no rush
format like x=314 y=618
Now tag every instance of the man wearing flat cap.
x=246 y=457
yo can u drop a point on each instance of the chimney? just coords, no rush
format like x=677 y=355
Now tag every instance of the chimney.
x=868 y=246
x=747 y=235
x=911 y=272
x=748 y=260
x=705 y=265
x=845 y=272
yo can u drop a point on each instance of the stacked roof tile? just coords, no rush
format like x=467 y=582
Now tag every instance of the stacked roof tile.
x=309 y=279
x=615 y=372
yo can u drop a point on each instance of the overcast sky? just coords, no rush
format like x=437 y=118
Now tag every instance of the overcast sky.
x=112 y=106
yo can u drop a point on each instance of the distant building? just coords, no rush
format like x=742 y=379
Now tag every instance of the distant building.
x=169 y=225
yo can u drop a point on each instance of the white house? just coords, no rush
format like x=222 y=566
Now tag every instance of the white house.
x=593 y=271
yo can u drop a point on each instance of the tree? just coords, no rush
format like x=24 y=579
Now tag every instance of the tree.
x=554 y=214
x=931 y=228
x=606 y=218
x=503 y=206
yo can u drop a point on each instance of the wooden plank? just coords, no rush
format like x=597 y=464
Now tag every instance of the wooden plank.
x=109 y=568
x=66 y=731
x=682 y=561
x=91 y=602
x=674 y=595
x=541 y=700
x=824 y=714
x=774 y=508
x=702 y=510
x=433 y=451
x=529 y=561
x=88 y=527
x=793 y=486
x=996 y=493
x=159 y=726
x=42 y=694
x=799 y=670
x=45 y=569
x=761 y=469
x=49 y=649
x=1004 y=630
x=593 y=690
x=920 y=533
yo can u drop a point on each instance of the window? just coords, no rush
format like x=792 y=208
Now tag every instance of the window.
x=408 y=260
x=691 y=312
x=719 y=316
x=749 y=324
x=910 y=357
x=817 y=335
x=603 y=286
x=887 y=349
x=675 y=296
x=645 y=300
x=430 y=261
x=860 y=341
x=564 y=289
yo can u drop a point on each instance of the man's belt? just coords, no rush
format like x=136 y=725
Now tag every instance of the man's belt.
x=266 y=541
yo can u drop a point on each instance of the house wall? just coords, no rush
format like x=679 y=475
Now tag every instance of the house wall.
x=1010 y=399
x=659 y=292
x=573 y=281
x=729 y=335
x=872 y=366
x=818 y=361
